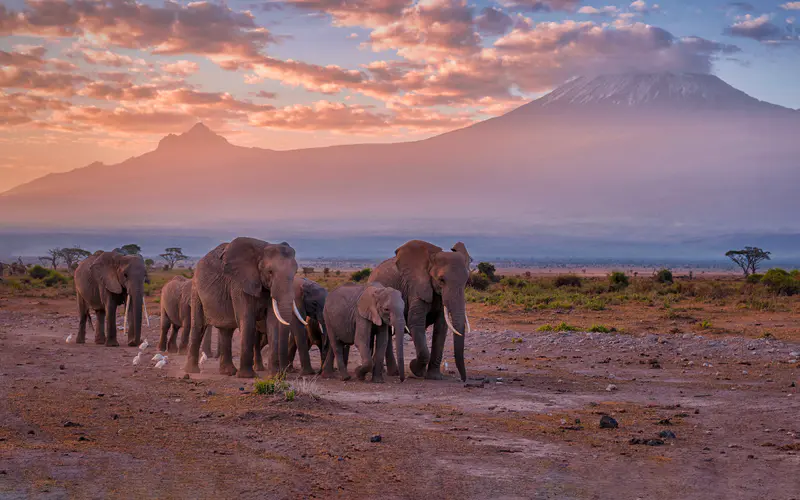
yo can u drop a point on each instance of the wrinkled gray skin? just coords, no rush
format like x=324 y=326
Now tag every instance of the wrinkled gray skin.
x=233 y=288
x=176 y=298
x=353 y=314
x=430 y=279
x=103 y=282
x=310 y=299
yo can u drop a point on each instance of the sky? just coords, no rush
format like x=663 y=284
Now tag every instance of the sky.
x=103 y=80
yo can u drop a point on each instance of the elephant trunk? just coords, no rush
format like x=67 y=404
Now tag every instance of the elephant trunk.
x=283 y=306
x=456 y=317
x=134 y=325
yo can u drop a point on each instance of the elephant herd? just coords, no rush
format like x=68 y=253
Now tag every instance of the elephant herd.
x=251 y=285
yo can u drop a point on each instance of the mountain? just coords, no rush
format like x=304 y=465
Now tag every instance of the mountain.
x=648 y=156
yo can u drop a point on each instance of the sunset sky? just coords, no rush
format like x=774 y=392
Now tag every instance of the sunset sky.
x=89 y=80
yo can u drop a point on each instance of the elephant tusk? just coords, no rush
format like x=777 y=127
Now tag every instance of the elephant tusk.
x=407 y=330
x=296 y=312
x=277 y=314
x=450 y=323
x=469 y=329
x=125 y=322
x=391 y=331
x=146 y=316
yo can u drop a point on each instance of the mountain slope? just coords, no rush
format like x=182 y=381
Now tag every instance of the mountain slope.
x=648 y=153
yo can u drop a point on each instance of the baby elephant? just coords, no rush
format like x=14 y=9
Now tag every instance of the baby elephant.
x=353 y=313
x=176 y=299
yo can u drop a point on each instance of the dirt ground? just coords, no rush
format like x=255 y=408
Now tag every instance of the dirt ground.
x=80 y=421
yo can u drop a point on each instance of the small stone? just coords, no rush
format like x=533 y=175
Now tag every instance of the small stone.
x=474 y=383
x=241 y=388
x=69 y=423
x=187 y=377
x=667 y=435
x=83 y=438
x=611 y=387
x=115 y=417
x=607 y=422
x=62 y=367
x=209 y=393
x=375 y=439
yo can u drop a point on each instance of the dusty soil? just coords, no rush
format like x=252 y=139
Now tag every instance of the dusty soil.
x=80 y=421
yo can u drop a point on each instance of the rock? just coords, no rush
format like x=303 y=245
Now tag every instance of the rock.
x=186 y=377
x=607 y=422
x=611 y=387
x=665 y=421
x=667 y=435
x=62 y=367
x=375 y=439
x=648 y=442
x=83 y=438
x=474 y=383
x=69 y=423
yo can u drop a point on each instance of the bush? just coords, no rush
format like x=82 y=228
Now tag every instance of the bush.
x=664 y=276
x=754 y=278
x=781 y=282
x=561 y=327
x=272 y=385
x=38 y=272
x=478 y=281
x=568 y=280
x=602 y=329
x=488 y=270
x=361 y=275
x=618 y=281
x=55 y=278
x=308 y=270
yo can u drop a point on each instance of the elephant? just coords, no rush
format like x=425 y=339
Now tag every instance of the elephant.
x=176 y=297
x=432 y=282
x=310 y=299
x=235 y=285
x=104 y=281
x=353 y=314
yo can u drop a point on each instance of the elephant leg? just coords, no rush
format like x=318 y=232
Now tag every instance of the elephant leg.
x=198 y=325
x=247 y=328
x=225 y=352
x=292 y=353
x=381 y=339
x=207 y=343
x=391 y=362
x=301 y=339
x=327 y=364
x=111 y=324
x=83 y=314
x=340 y=362
x=100 y=334
x=346 y=353
x=416 y=323
x=258 y=361
x=437 y=352
x=172 y=345
x=166 y=324
x=362 y=337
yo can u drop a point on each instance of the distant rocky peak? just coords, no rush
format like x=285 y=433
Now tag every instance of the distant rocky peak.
x=198 y=137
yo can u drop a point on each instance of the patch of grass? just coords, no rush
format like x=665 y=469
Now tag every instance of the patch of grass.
x=289 y=395
x=705 y=324
x=568 y=280
x=602 y=329
x=272 y=385
x=561 y=327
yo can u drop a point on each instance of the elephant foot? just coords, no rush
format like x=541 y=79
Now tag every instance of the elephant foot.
x=259 y=367
x=345 y=378
x=307 y=372
x=377 y=379
x=175 y=349
x=133 y=343
x=80 y=340
x=325 y=374
x=112 y=343
x=229 y=370
x=191 y=367
x=99 y=340
x=417 y=368
x=393 y=371
x=246 y=372
x=434 y=374
x=162 y=347
x=291 y=369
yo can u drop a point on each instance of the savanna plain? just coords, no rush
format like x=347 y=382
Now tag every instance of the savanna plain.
x=694 y=379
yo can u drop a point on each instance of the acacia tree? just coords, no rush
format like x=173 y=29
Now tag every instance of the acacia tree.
x=73 y=256
x=130 y=249
x=52 y=257
x=748 y=259
x=172 y=256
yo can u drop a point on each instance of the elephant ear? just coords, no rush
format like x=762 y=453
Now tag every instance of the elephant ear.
x=368 y=305
x=413 y=260
x=462 y=249
x=241 y=260
x=104 y=270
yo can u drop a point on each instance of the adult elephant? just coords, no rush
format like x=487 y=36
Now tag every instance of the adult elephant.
x=235 y=285
x=309 y=296
x=104 y=281
x=432 y=282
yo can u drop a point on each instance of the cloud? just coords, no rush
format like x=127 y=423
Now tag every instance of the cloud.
x=198 y=27
x=641 y=7
x=758 y=28
x=180 y=68
x=263 y=94
x=542 y=5
x=23 y=59
x=102 y=57
x=21 y=108
x=608 y=10
x=48 y=82
x=743 y=6
x=370 y=13
x=791 y=6
x=115 y=92
x=493 y=21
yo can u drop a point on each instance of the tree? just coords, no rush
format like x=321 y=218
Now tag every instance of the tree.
x=52 y=258
x=173 y=255
x=488 y=270
x=148 y=263
x=73 y=256
x=748 y=259
x=130 y=249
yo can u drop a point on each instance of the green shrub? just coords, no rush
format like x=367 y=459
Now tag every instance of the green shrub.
x=705 y=324
x=38 y=272
x=272 y=385
x=561 y=327
x=478 y=281
x=568 y=280
x=488 y=270
x=55 y=278
x=289 y=395
x=780 y=282
x=602 y=329
x=664 y=276
x=361 y=275
x=618 y=281
x=754 y=278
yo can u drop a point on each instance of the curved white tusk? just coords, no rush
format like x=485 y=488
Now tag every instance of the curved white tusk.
x=125 y=322
x=450 y=323
x=407 y=330
x=469 y=329
x=146 y=316
x=296 y=312
x=391 y=331
x=277 y=314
